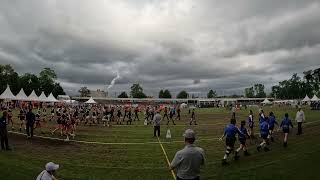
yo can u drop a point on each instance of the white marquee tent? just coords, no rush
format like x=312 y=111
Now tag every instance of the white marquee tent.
x=266 y=101
x=21 y=96
x=33 y=96
x=7 y=94
x=43 y=97
x=51 y=98
x=306 y=99
x=315 y=98
x=90 y=101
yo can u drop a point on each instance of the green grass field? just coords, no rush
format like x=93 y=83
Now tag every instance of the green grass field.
x=131 y=152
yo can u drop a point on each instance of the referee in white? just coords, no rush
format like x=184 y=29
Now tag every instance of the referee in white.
x=187 y=162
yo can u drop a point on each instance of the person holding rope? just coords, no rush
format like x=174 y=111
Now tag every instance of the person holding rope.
x=188 y=161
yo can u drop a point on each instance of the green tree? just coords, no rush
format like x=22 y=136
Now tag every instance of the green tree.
x=249 y=92
x=84 y=92
x=211 y=94
x=259 y=91
x=47 y=79
x=30 y=82
x=182 y=95
x=167 y=94
x=161 y=94
x=123 y=95
x=57 y=90
x=137 y=91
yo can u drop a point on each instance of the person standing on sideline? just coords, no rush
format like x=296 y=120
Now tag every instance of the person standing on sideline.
x=4 y=132
x=30 y=119
x=233 y=112
x=299 y=119
x=156 y=123
x=48 y=173
x=286 y=122
x=188 y=161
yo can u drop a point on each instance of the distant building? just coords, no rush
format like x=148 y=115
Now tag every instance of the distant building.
x=98 y=93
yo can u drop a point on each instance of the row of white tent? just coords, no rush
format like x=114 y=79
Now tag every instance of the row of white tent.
x=307 y=99
x=21 y=96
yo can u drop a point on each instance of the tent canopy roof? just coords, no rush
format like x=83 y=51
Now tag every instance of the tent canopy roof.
x=266 y=101
x=306 y=98
x=90 y=101
x=315 y=98
x=22 y=95
x=43 y=97
x=51 y=98
x=7 y=94
x=33 y=96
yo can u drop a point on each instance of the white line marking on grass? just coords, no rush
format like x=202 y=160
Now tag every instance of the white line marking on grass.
x=125 y=143
x=166 y=156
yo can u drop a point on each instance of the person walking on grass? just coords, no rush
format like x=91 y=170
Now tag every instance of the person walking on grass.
x=264 y=133
x=300 y=118
x=272 y=122
x=230 y=133
x=188 y=161
x=193 y=118
x=156 y=124
x=242 y=137
x=251 y=124
x=285 y=126
x=4 y=132
x=48 y=173
x=171 y=113
x=30 y=119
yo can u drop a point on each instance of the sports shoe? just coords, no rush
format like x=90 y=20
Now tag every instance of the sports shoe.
x=266 y=149
x=245 y=153
x=224 y=162
x=285 y=144
x=259 y=148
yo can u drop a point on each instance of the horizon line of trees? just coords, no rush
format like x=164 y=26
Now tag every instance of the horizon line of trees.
x=45 y=81
x=294 y=88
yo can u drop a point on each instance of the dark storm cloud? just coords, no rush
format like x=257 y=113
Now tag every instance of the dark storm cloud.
x=183 y=44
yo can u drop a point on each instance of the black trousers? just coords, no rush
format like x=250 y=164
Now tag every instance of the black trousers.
x=197 y=178
x=156 y=130
x=299 y=127
x=4 y=138
x=233 y=115
x=29 y=129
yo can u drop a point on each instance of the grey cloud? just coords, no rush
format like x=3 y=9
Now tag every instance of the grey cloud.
x=226 y=45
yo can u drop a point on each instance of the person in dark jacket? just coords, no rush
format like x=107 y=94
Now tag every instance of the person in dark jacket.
x=30 y=119
x=4 y=132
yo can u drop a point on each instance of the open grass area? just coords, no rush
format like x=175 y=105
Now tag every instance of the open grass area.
x=107 y=156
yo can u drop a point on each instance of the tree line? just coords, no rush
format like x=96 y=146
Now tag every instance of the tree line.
x=294 y=88
x=45 y=81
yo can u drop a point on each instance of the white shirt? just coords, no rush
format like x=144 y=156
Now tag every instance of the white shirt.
x=300 y=116
x=187 y=162
x=44 y=175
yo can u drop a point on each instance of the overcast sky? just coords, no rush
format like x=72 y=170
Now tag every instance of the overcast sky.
x=176 y=44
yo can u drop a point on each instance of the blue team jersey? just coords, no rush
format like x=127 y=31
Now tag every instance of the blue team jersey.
x=286 y=122
x=264 y=127
x=261 y=118
x=231 y=130
x=243 y=133
x=272 y=121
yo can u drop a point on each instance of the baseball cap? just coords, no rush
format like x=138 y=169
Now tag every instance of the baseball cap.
x=189 y=133
x=50 y=166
